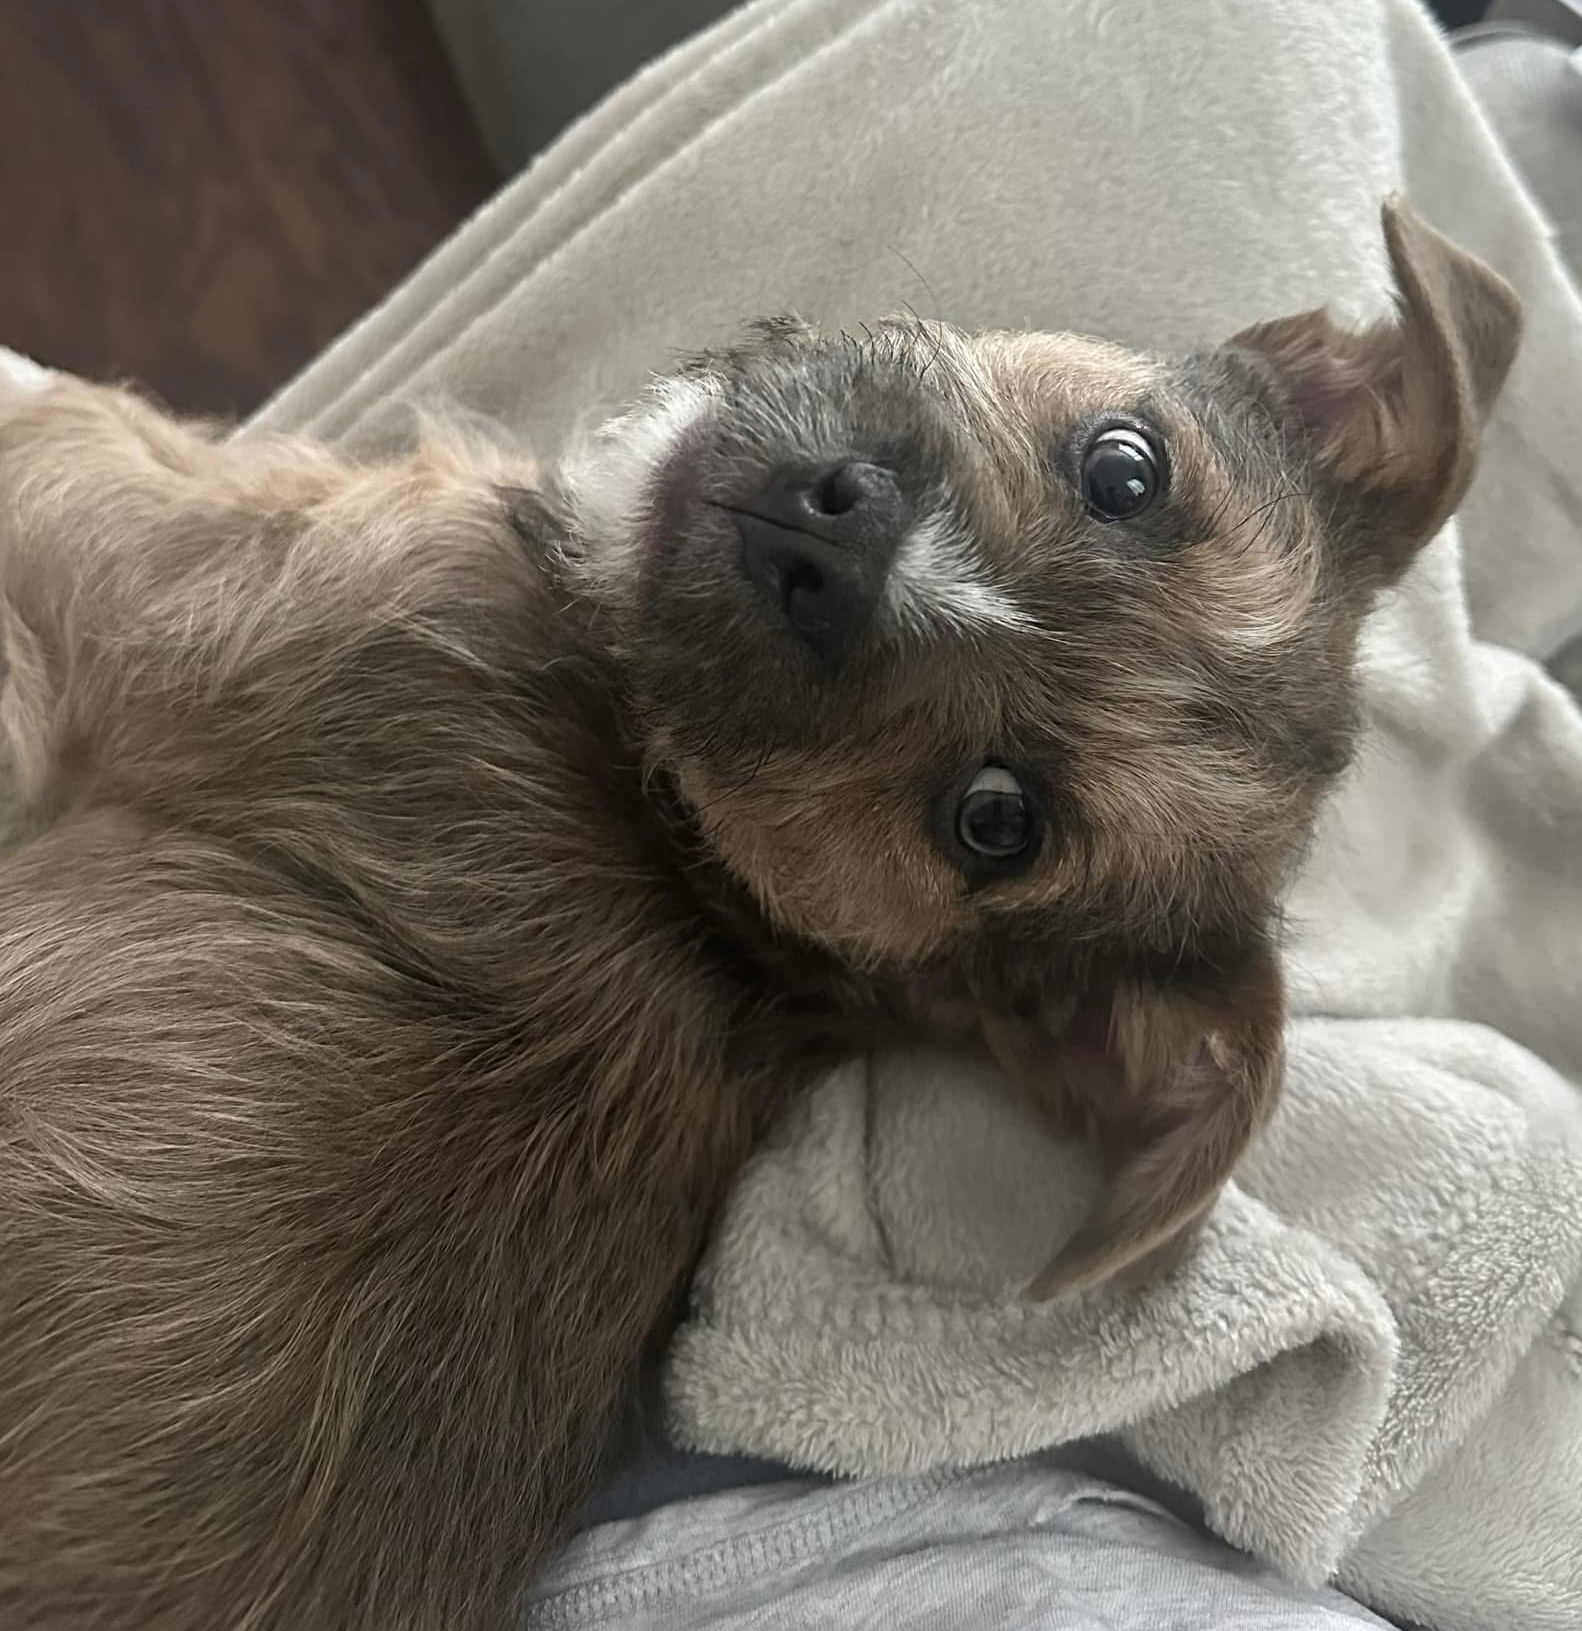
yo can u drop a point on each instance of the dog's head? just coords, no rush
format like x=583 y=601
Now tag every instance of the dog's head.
x=1007 y=656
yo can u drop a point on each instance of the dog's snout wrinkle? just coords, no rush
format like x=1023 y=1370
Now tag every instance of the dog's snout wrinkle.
x=848 y=501
x=743 y=512
x=818 y=541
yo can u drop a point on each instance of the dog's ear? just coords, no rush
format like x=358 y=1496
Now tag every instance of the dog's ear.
x=1171 y=1082
x=1390 y=415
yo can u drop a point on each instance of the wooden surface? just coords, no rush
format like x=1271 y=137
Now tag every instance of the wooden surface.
x=198 y=194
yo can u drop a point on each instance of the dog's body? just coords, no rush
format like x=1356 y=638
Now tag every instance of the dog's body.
x=359 y=1130
x=421 y=907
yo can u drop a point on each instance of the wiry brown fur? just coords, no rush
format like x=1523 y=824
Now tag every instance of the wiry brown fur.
x=426 y=887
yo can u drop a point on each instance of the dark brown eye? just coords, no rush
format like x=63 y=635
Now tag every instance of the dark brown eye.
x=995 y=817
x=1120 y=474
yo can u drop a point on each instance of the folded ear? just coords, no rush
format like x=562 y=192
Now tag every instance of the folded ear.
x=1390 y=415
x=1172 y=1082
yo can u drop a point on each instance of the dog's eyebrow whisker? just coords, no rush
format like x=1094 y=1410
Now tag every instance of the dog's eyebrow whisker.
x=1221 y=507
x=911 y=266
x=751 y=771
x=923 y=332
x=1262 y=510
x=939 y=349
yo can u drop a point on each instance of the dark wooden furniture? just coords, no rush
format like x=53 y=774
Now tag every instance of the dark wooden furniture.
x=198 y=194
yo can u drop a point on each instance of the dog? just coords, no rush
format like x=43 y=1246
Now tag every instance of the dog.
x=428 y=878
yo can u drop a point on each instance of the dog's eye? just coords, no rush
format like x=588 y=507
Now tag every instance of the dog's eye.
x=995 y=817
x=1120 y=474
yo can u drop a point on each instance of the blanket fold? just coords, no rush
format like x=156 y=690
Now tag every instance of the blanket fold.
x=1394 y=1249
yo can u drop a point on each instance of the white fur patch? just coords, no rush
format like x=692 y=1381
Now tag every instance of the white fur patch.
x=935 y=582
x=22 y=373
x=611 y=478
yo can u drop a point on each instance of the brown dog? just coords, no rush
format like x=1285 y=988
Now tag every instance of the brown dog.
x=429 y=884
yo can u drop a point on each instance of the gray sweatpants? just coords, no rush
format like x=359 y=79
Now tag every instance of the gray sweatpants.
x=1026 y=1546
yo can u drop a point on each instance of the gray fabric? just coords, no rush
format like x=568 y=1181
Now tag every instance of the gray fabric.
x=1558 y=19
x=1391 y=1265
x=1526 y=73
x=1025 y=1547
x=529 y=67
x=659 y=1474
x=1529 y=87
x=1373 y=1367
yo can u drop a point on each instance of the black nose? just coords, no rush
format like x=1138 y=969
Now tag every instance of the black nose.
x=818 y=542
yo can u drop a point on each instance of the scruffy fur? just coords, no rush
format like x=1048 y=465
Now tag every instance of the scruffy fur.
x=428 y=878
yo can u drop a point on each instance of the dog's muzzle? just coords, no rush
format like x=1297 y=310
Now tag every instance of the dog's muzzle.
x=818 y=543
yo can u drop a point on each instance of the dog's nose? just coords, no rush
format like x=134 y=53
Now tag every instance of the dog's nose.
x=818 y=544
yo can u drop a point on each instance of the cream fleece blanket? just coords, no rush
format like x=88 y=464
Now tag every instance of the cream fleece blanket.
x=1372 y=1368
